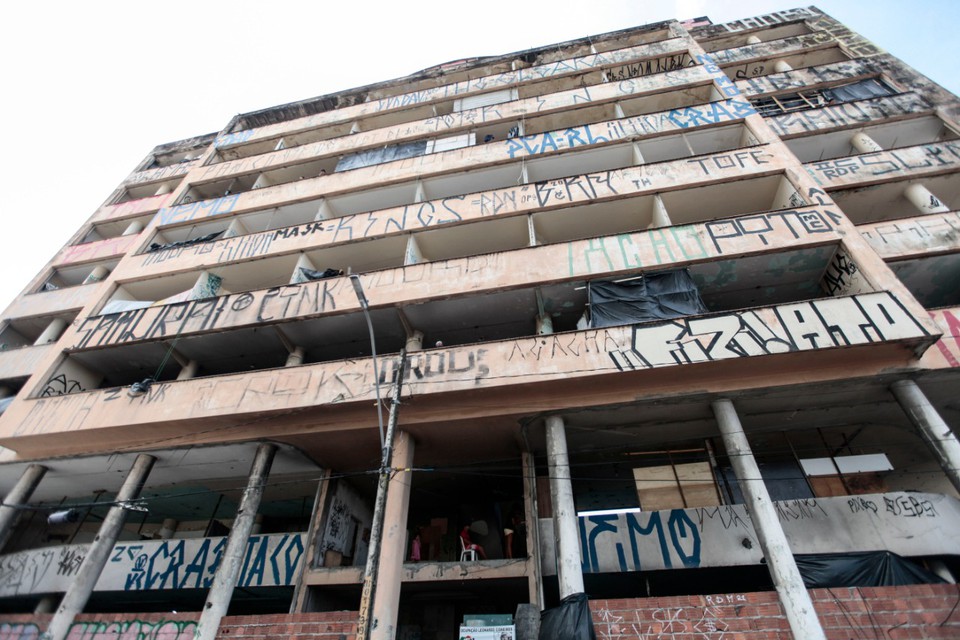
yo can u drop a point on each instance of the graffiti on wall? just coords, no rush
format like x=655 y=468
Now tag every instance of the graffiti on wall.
x=269 y=560
x=115 y=630
x=714 y=536
x=949 y=345
x=801 y=326
x=935 y=231
x=869 y=166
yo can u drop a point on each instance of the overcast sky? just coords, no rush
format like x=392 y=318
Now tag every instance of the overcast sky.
x=89 y=88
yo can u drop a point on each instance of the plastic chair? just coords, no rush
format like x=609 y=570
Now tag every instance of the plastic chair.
x=466 y=554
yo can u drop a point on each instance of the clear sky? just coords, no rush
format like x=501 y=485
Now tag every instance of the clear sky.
x=89 y=88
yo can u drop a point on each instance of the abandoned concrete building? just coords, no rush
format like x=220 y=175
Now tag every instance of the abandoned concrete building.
x=668 y=316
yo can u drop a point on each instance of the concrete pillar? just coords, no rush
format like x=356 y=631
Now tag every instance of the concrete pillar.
x=53 y=332
x=415 y=341
x=569 y=570
x=386 y=605
x=46 y=604
x=660 y=218
x=168 y=528
x=134 y=227
x=782 y=66
x=221 y=591
x=295 y=359
x=921 y=197
x=753 y=40
x=794 y=598
x=530 y=515
x=20 y=494
x=164 y=188
x=544 y=324
x=864 y=143
x=99 y=273
x=937 y=434
x=99 y=552
x=188 y=371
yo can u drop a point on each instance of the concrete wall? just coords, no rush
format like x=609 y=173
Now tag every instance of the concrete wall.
x=270 y=560
x=913 y=524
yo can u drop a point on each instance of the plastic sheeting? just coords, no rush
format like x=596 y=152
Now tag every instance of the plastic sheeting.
x=655 y=296
x=310 y=274
x=570 y=621
x=379 y=156
x=863 y=569
x=863 y=90
x=156 y=246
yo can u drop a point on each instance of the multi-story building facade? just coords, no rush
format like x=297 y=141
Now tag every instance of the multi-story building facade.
x=664 y=309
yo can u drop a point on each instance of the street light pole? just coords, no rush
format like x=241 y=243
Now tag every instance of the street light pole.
x=358 y=289
x=365 y=625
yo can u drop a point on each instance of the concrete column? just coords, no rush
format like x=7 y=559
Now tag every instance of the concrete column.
x=53 y=332
x=753 y=40
x=221 y=591
x=569 y=570
x=99 y=273
x=99 y=552
x=20 y=494
x=794 y=598
x=46 y=604
x=168 y=528
x=386 y=605
x=534 y=579
x=188 y=371
x=782 y=66
x=415 y=341
x=937 y=434
x=544 y=324
x=295 y=358
x=134 y=227
x=922 y=198
x=864 y=143
x=659 y=216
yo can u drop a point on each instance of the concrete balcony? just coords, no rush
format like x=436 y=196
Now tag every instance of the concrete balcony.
x=533 y=111
x=915 y=237
x=130 y=208
x=808 y=78
x=22 y=362
x=908 y=524
x=159 y=174
x=710 y=249
x=300 y=182
x=867 y=169
x=544 y=72
x=765 y=346
x=607 y=202
x=47 y=303
x=108 y=249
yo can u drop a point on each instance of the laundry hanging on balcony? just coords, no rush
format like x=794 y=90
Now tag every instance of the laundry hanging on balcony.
x=654 y=296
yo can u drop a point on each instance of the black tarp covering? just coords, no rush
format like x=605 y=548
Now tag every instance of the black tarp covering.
x=569 y=621
x=310 y=274
x=156 y=246
x=655 y=296
x=862 y=90
x=379 y=156
x=861 y=569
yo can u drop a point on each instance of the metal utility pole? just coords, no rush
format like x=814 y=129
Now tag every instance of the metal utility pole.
x=365 y=625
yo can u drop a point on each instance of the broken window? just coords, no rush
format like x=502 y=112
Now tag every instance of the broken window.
x=816 y=98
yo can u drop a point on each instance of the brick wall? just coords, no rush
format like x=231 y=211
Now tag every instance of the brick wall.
x=865 y=613
x=336 y=625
